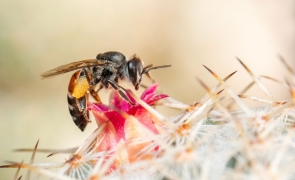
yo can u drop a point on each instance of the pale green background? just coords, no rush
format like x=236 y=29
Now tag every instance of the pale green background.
x=36 y=36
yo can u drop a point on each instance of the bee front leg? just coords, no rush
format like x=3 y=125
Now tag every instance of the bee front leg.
x=118 y=88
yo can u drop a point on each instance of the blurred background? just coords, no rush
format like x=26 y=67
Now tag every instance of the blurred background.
x=36 y=36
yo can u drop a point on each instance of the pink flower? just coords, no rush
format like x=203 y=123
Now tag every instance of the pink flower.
x=123 y=121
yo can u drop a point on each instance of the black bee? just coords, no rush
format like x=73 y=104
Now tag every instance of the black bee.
x=95 y=74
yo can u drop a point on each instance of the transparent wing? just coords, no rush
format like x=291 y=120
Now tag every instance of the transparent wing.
x=73 y=66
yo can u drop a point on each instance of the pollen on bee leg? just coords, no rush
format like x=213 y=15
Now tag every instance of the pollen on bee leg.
x=81 y=87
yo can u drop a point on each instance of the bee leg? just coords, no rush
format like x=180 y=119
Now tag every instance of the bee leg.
x=89 y=78
x=95 y=95
x=88 y=75
x=100 y=87
x=118 y=88
x=82 y=106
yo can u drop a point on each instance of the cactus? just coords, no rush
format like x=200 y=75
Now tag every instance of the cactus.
x=207 y=140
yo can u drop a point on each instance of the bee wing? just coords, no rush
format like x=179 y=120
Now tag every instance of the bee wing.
x=73 y=66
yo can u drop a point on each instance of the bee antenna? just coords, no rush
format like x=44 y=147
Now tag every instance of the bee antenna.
x=150 y=67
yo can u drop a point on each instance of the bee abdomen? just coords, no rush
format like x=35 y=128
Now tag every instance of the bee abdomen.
x=80 y=121
x=78 y=111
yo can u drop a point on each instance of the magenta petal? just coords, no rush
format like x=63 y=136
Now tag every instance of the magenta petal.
x=129 y=96
x=146 y=118
x=118 y=122
x=102 y=112
x=98 y=107
x=118 y=102
x=115 y=99
x=133 y=110
x=115 y=112
x=156 y=98
x=125 y=105
x=149 y=92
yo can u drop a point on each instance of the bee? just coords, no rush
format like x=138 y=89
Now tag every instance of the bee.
x=93 y=75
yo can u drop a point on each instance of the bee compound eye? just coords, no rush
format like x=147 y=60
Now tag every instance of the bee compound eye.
x=135 y=69
x=131 y=69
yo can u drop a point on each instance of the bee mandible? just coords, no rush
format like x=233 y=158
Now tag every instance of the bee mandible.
x=95 y=74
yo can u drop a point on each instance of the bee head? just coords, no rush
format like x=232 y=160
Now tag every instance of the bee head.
x=134 y=71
